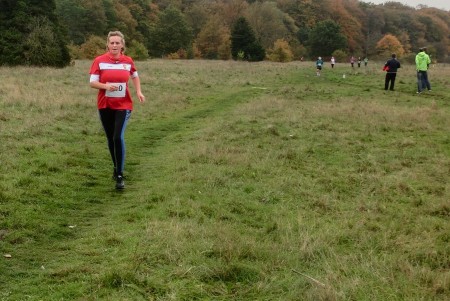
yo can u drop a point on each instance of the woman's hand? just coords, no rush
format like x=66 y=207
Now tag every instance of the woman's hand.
x=141 y=97
x=111 y=87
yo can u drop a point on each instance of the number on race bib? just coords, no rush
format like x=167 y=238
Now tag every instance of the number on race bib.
x=120 y=91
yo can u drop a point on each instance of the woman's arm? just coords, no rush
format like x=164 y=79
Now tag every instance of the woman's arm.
x=94 y=83
x=137 y=86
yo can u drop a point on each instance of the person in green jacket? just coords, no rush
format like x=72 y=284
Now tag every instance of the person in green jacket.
x=422 y=63
x=319 y=64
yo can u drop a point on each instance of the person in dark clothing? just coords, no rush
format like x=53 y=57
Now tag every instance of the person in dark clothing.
x=391 y=67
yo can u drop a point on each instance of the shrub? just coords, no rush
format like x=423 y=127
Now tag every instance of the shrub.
x=173 y=56
x=137 y=51
x=281 y=52
x=93 y=47
x=75 y=51
x=340 y=55
x=182 y=54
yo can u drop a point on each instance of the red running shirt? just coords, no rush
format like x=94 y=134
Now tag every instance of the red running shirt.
x=106 y=69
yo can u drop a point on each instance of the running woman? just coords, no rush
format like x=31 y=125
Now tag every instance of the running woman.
x=110 y=74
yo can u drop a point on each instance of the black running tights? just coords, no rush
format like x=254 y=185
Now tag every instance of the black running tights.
x=114 y=123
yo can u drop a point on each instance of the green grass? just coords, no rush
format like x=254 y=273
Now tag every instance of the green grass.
x=244 y=182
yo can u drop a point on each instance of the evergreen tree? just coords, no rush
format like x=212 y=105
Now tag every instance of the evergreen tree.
x=30 y=34
x=244 y=44
x=10 y=35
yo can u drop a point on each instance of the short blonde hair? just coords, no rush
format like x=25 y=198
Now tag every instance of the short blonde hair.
x=116 y=34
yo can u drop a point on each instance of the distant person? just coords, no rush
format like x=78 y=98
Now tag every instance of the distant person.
x=422 y=63
x=319 y=64
x=359 y=62
x=110 y=73
x=333 y=61
x=366 y=61
x=425 y=50
x=391 y=67
x=352 y=61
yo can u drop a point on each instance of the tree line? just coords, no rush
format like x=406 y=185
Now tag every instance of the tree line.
x=52 y=32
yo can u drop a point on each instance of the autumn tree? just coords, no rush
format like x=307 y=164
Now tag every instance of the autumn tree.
x=441 y=47
x=197 y=15
x=230 y=10
x=402 y=22
x=389 y=44
x=348 y=14
x=125 y=20
x=244 y=44
x=281 y=52
x=93 y=47
x=306 y=13
x=432 y=31
x=213 y=41
x=269 y=23
x=163 y=4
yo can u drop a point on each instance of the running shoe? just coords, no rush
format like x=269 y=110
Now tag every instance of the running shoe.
x=120 y=184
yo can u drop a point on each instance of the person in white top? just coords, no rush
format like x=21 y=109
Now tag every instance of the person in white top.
x=333 y=61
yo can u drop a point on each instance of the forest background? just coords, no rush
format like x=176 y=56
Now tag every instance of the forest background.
x=285 y=29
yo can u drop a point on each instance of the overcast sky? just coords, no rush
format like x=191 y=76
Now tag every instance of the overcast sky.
x=441 y=4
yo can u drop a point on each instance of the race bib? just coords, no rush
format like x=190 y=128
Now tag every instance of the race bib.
x=120 y=92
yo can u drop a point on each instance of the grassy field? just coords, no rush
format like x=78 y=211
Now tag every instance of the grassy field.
x=244 y=181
